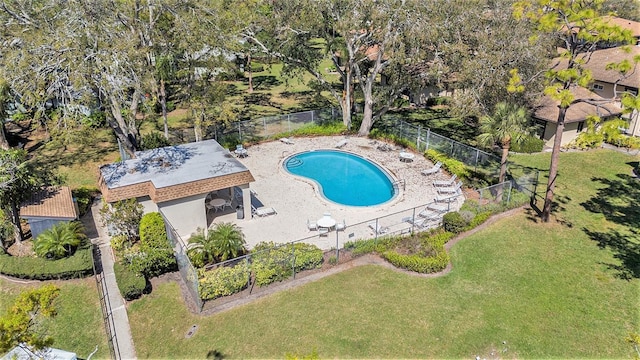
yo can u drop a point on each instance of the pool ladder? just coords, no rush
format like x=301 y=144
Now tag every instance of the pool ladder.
x=294 y=162
x=396 y=184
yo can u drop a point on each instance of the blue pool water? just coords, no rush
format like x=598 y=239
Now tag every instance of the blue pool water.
x=343 y=178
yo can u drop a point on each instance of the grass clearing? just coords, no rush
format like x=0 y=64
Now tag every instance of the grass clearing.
x=78 y=326
x=518 y=289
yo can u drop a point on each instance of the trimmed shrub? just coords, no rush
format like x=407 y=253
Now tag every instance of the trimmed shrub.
x=418 y=263
x=120 y=242
x=361 y=247
x=454 y=222
x=155 y=255
x=529 y=145
x=453 y=166
x=80 y=264
x=438 y=239
x=271 y=263
x=131 y=284
x=479 y=219
x=152 y=229
x=223 y=281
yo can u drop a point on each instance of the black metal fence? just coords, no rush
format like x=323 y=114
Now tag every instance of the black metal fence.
x=105 y=304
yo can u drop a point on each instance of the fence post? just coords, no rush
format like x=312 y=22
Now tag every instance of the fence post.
x=418 y=138
x=240 y=131
x=509 y=194
x=428 y=133
x=477 y=156
x=312 y=120
x=293 y=260
x=452 y=145
x=338 y=246
x=264 y=125
x=289 y=122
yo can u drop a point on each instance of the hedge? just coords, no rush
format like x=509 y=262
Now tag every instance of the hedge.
x=271 y=263
x=223 y=281
x=530 y=145
x=453 y=166
x=132 y=285
x=418 y=263
x=155 y=255
x=152 y=229
x=80 y=264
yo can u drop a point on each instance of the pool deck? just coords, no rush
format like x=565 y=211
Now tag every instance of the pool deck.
x=297 y=199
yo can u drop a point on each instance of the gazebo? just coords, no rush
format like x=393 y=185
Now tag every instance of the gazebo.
x=175 y=181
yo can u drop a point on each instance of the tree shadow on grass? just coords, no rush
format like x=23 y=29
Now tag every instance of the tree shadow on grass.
x=618 y=200
x=265 y=82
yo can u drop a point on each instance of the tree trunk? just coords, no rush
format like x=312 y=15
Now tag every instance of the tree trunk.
x=553 y=168
x=15 y=220
x=117 y=123
x=367 y=114
x=4 y=144
x=503 y=169
x=347 y=97
x=163 y=104
x=250 y=73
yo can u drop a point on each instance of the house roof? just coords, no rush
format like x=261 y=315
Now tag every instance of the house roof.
x=173 y=172
x=547 y=108
x=600 y=58
x=634 y=26
x=51 y=202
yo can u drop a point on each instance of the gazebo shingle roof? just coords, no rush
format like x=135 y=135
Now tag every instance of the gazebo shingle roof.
x=51 y=202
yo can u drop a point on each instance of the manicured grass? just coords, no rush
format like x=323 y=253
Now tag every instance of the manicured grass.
x=78 y=326
x=518 y=289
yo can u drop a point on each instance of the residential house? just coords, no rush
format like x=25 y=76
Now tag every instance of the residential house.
x=546 y=115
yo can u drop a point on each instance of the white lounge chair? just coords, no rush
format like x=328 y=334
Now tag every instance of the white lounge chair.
x=341 y=226
x=287 y=141
x=434 y=170
x=312 y=225
x=450 y=190
x=434 y=210
x=340 y=144
x=263 y=211
x=449 y=182
x=377 y=228
x=447 y=198
x=323 y=231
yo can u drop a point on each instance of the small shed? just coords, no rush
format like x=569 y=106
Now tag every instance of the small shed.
x=48 y=207
x=23 y=352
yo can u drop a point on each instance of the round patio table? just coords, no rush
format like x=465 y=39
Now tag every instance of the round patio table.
x=326 y=222
x=217 y=204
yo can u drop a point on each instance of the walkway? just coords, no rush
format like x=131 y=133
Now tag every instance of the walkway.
x=118 y=310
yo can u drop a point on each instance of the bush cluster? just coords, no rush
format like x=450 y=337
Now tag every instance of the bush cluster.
x=418 y=263
x=154 y=256
x=271 y=263
x=80 y=264
x=453 y=166
x=84 y=198
x=529 y=145
x=223 y=281
x=454 y=222
x=131 y=284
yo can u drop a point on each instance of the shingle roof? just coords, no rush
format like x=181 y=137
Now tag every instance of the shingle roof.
x=600 y=58
x=547 y=108
x=634 y=26
x=52 y=202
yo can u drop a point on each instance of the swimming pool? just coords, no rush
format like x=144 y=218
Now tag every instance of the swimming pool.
x=342 y=177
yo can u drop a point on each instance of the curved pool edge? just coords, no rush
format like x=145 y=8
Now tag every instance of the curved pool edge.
x=392 y=176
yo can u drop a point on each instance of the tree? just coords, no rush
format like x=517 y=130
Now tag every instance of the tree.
x=509 y=124
x=20 y=324
x=5 y=97
x=578 y=26
x=123 y=218
x=18 y=181
x=60 y=240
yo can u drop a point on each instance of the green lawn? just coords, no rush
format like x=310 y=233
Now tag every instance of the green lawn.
x=519 y=289
x=78 y=326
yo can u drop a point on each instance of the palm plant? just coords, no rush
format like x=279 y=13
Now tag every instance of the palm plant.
x=228 y=241
x=509 y=124
x=225 y=241
x=60 y=240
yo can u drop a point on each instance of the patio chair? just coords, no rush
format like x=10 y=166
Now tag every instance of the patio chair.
x=432 y=211
x=263 y=211
x=312 y=225
x=434 y=170
x=227 y=203
x=377 y=228
x=341 y=226
x=449 y=182
x=450 y=190
x=446 y=198
x=340 y=144
x=323 y=231
x=287 y=141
